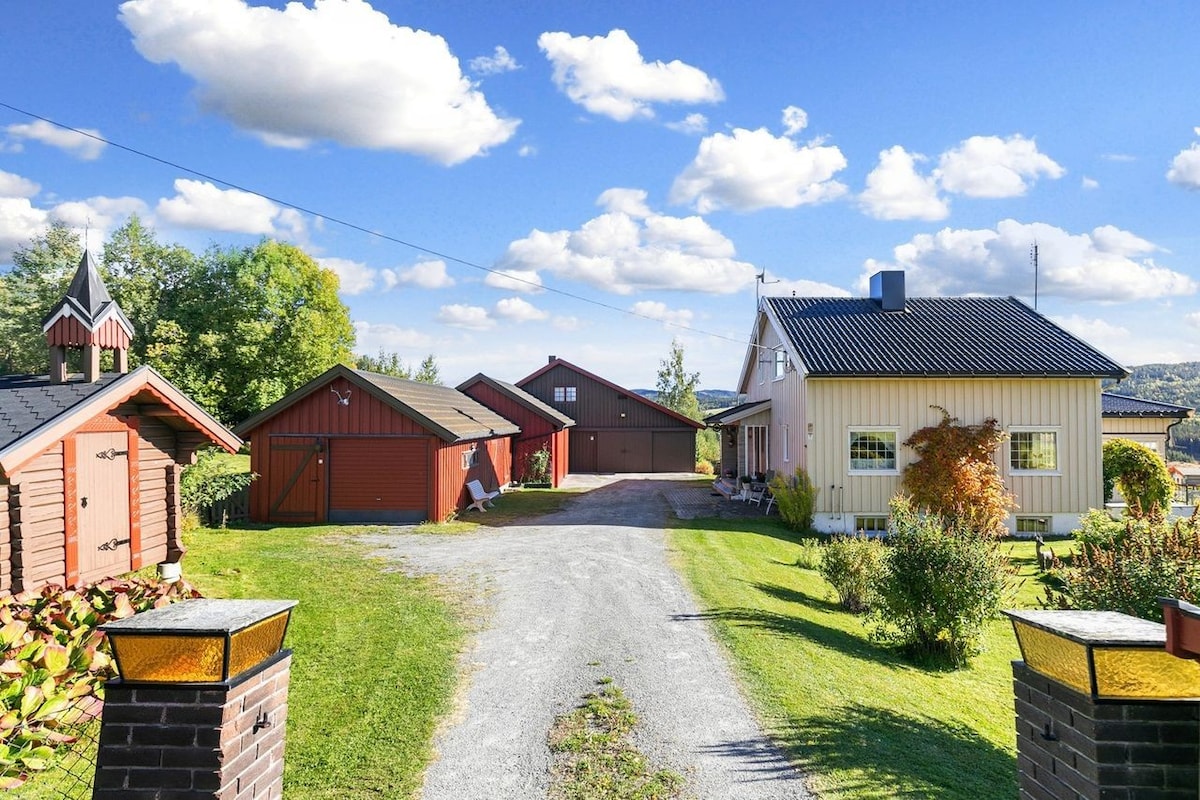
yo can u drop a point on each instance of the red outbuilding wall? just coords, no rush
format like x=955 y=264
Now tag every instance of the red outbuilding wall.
x=536 y=431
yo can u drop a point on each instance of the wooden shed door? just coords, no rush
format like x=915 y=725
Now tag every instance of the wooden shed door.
x=583 y=451
x=102 y=470
x=378 y=480
x=297 y=469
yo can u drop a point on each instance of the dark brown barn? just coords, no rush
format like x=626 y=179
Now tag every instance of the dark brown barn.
x=89 y=465
x=355 y=446
x=541 y=425
x=616 y=430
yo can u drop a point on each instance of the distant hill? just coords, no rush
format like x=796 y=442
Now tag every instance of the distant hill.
x=709 y=398
x=1169 y=383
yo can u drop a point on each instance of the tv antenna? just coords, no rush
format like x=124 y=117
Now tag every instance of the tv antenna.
x=1033 y=258
x=760 y=280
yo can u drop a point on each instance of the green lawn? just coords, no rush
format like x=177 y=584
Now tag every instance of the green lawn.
x=375 y=654
x=863 y=722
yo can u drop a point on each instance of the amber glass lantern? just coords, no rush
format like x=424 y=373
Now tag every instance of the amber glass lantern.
x=1105 y=655
x=199 y=641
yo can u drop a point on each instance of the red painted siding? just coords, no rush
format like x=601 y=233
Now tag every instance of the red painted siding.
x=70 y=332
x=536 y=431
x=387 y=455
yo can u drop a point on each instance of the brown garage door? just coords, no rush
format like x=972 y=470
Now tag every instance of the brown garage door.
x=624 y=451
x=378 y=480
x=674 y=451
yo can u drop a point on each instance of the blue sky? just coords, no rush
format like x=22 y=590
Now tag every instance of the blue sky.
x=631 y=157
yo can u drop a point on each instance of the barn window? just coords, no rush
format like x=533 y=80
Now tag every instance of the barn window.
x=470 y=458
x=565 y=394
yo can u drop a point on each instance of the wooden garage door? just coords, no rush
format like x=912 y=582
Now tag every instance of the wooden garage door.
x=674 y=451
x=624 y=451
x=296 y=478
x=378 y=480
x=582 y=456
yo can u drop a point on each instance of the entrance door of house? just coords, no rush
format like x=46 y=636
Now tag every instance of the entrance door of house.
x=102 y=495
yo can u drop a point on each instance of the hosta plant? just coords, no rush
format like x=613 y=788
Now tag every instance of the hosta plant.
x=54 y=661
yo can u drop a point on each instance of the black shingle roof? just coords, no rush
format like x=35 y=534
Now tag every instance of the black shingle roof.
x=27 y=401
x=1117 y=405
x=934 y=336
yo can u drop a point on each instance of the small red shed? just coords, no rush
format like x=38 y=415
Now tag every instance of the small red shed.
x=89 y=464
x=356 y=446
x=541 y=425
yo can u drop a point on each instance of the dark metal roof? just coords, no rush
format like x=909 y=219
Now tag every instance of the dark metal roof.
x=88 y=298
x=29 y=401
x=932 y=337
x=1117 y=405
x=521 y=397
x=737 y=412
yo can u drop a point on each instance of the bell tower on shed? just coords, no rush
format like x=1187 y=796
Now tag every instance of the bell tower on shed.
x=87 y=319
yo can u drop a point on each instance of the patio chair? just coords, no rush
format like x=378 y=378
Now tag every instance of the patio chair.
x=480 y=496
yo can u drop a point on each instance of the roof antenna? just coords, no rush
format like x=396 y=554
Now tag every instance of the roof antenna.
x=760 y=280
x=1033 y=256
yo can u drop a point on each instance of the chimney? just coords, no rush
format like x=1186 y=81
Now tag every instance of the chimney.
x=887 y=288
x=87 y=319
x=553 y=359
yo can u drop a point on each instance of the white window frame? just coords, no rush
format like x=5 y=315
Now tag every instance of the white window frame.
x=1044 y=523
x=781 y=358
x=1051 y=429
x=566 y=394
x=765 y=432
x=871 y=523
x=470 y=458
x=787 y=444
x=858 y=429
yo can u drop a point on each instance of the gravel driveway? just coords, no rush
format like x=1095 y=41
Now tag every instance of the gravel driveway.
x=580 y=594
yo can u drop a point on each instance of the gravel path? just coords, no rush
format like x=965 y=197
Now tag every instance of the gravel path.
x=585 y=593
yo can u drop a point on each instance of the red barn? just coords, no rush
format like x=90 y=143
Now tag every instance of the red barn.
x=541 y=425
x=355 y=446
x=616 y=430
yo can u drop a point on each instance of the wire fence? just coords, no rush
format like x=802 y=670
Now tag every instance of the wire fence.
x=70 y=776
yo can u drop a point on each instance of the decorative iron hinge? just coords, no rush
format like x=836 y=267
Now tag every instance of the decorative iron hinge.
x=113 y=544
x=110 y=454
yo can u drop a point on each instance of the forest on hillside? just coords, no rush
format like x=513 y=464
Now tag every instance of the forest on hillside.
x=1169 y=383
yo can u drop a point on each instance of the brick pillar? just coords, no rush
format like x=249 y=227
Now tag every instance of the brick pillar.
x=194 y=742
x=1069 y=746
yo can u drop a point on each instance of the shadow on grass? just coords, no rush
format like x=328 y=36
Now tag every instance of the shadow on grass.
x=880 y=753
x=789 y=595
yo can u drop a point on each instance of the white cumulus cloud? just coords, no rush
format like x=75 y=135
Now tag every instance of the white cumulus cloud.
x=354 y=277
x=749 y=170
x=1099 y=266
x=607 y=75
x=519 y=310
x=692 y=125
x=426 y=275
x=200 y=204
x=801 y=288
x=515 y=280
x=795 y=119
x=20 y=221
x=458 y=315
x=989 y=166
x=1089 y=183
x=653 y=309
x=1185 y=167
x=90 y=219
x=78 y=143
x=371 y=337
x=339 y=70
x=895 y=190
x=499 y=61
x=12 y=185
x=630 y=247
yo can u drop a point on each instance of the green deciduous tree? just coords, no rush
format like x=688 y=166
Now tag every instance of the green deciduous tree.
x=676 y=386
x=39 y=278
x=428 y=371
x=955 y=475
x=1141 y=476
x=386 y=363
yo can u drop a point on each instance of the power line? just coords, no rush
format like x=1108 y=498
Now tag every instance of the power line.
x=368 y=231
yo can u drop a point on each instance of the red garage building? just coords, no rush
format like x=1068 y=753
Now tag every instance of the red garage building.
x=616 y=430
x=355 y=446
x=541 y=426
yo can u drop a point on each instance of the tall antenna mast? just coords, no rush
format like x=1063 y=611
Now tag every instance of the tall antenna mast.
x=1033 y=256
x=759 y=280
